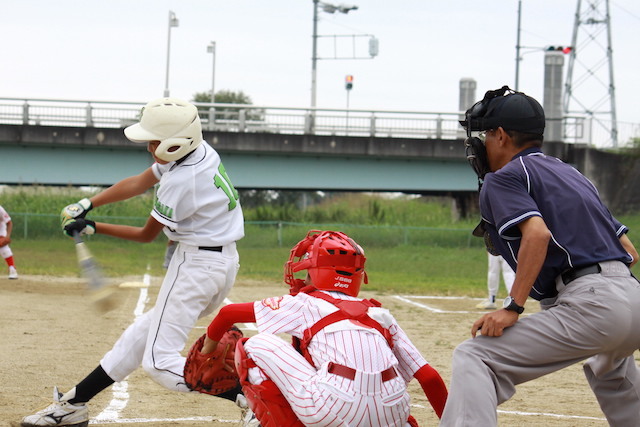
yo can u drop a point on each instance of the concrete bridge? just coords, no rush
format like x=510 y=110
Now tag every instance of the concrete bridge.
x=50 y=142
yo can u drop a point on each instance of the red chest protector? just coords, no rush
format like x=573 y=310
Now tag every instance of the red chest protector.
x=355 y=311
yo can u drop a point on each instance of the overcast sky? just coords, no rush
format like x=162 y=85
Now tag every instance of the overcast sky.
x=116 y=50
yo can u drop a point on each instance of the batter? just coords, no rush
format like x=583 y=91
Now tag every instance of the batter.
x=196 y=206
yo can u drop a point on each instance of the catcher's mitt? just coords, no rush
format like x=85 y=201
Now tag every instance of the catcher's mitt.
x=215 y=372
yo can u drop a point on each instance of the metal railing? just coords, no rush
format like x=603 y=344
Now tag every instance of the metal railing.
x=239 y=118
x=286 y=120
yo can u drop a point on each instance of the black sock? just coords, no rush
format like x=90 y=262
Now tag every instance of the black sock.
x=93 y=384
x=231 y=394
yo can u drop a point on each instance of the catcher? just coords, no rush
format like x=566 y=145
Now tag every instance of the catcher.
x=350 y=361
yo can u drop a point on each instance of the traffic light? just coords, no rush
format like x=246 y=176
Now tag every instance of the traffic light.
x=348 y=82
x=563 y=49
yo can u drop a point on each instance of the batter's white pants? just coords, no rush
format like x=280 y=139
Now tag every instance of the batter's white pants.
x=595 y=317
x=196 y=283
x=498 y=265
x=322 y=399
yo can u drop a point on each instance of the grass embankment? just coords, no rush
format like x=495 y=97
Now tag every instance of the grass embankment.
x=412 y=246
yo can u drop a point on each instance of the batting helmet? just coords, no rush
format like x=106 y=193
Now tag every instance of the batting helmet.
x=173 y=122
x=334 y=261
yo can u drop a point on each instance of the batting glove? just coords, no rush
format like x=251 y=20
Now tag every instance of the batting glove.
x=76 y=210
x=80 y=226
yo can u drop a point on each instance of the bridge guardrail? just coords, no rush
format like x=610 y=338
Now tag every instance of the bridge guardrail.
x=269 y=119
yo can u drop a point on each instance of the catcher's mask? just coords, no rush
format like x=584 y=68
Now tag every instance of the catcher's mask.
x=504 y=108
x=173 y=122
x=334 y=261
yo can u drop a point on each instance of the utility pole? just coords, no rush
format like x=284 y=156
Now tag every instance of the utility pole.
x=518 y=57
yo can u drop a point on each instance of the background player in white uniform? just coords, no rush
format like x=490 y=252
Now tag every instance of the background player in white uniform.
x=6 y=225
x=497 y=265
x=344 y=373
x=197 y=207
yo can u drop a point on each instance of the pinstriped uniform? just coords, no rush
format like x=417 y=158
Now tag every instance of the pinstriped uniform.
x=320 y=398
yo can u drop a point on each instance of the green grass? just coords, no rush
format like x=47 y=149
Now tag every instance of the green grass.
x=406 y=269
x=412 y=245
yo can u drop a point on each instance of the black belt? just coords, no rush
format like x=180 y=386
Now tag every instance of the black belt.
x=571 y=275
x=210 y=248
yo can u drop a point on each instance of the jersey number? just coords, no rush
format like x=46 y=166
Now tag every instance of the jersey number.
x=223 y=182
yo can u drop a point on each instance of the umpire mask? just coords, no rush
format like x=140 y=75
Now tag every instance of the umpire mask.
x=504 y=108
x=475 y=149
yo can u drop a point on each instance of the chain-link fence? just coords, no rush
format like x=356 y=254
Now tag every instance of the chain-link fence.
x=270 y=234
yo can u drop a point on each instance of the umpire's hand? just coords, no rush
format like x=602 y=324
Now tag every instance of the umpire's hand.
x=493 y=324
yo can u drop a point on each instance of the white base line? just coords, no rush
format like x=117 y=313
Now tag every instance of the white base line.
x=426 y=307
x=158 y=420
x=120 y=390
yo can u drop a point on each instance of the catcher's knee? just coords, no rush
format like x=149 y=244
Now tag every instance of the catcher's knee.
x=265 y=399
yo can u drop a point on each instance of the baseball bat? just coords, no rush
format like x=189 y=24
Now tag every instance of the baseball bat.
x=100 y=293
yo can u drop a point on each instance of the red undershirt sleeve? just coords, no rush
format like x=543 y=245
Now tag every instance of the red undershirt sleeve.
x=228 y=315
x=433 y=387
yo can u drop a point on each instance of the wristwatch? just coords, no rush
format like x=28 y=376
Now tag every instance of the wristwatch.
x=510 y=304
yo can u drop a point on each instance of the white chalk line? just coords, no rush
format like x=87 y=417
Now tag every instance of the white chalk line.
x=120 y=390
x=160 y=420
x=431 y=309
x=407 y=300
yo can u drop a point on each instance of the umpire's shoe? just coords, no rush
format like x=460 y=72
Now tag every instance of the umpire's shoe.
x=59 y=413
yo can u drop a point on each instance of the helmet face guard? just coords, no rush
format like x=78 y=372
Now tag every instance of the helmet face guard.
x=173 y=122
x=476 y=153
x=504 y=108
x=333 y=260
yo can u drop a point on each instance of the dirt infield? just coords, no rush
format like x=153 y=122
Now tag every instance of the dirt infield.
x=51 y=335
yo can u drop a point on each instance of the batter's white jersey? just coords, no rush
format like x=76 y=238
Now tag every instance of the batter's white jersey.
x=317 y=396
x=4 y=219
x=197 y=202
x=198 y=206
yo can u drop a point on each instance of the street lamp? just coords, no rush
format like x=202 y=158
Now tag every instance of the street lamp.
x=212 y=49
x=329 y=8
x=173 y=22
x=212 y=111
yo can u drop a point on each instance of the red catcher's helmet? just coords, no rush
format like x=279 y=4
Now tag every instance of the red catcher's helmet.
x=334 y=261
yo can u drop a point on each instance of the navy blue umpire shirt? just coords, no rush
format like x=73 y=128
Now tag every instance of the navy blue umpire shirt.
x=583 y=231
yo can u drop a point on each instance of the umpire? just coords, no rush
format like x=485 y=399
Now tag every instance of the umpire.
x=569 y=253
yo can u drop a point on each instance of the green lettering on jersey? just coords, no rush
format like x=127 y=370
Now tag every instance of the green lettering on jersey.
x=222 y=181
x=163 y=209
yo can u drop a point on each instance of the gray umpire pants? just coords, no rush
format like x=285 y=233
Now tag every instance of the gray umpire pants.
x=595 y=317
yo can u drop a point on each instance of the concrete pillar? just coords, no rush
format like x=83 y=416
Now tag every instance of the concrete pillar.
x=552 y=97
x=466 y=100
